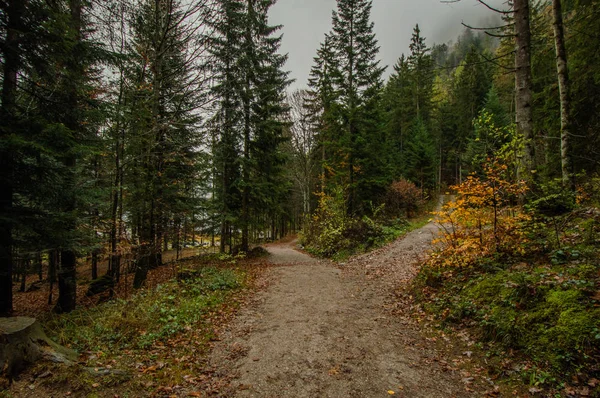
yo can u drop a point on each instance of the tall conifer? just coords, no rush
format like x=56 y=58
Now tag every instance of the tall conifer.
x=358 y=82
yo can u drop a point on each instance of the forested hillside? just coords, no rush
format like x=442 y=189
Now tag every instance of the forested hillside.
x=130 y=129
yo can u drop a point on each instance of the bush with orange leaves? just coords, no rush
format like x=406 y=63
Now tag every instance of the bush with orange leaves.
x=483 y=220
x=403 y=198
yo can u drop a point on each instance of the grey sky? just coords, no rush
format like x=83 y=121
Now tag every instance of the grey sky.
x=306 y=22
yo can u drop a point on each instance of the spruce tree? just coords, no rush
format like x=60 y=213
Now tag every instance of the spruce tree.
x=399 y=114
x=264 y=184
x=358 y=82
x=421 y=159
x=322 y=106
x=13 y=11
x=250 y=85
x=420 y=64
x=164 y=141
x=225 y=48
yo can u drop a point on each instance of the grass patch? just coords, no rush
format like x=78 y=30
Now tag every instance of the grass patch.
x=149 y=316
x=158 y=336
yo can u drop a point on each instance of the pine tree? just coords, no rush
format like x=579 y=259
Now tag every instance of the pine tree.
x=420 y=65
x=225 y=47
x=163 y=127
x=358 y=82
x=400 y=113
x=322 y=105
x=421 y=159
x=13 y=11
x=264 y=183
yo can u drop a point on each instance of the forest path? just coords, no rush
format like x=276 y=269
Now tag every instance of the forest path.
x=321 y=330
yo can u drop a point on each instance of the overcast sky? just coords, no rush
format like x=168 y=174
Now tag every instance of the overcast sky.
x=305 y=23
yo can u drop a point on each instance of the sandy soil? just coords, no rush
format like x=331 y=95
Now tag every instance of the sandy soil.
x=322 y=330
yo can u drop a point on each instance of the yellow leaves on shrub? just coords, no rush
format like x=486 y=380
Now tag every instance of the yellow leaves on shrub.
x=484 y=219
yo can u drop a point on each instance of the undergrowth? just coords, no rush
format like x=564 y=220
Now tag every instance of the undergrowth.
x=332 y=233
x=523 y=279
x=157 y=335
x=149 y=316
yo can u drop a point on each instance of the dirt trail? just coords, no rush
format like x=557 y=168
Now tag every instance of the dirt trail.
x=321 y=330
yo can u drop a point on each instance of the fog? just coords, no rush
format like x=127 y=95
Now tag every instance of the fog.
x=305 y=23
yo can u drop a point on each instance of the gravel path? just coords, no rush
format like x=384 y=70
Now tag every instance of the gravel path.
x=321 y=330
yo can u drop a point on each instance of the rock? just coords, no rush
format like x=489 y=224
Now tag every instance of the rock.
x=23 y=342
x=37 y=285
x=100 y=285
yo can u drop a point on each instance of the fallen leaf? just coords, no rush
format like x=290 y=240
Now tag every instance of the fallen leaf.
x=390 y=392
x=149 y=369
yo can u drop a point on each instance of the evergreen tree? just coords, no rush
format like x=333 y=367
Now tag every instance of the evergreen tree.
x=13 y=11
x=264 y=84
x=164 y=139
x=400 y=113
x=249 y=116
x=421 y=157
x=472 y=82
x=358 y=83
x=420 y=64
x=225 y=47
x=322 y=105
x=53 y=123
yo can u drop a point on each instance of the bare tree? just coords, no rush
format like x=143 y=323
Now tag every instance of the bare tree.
x=303 y=142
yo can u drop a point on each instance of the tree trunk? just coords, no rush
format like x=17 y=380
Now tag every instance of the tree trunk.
x=52 y=265
x=246 y=164
x=10 y=52
x=566 y=121
x=524 y=84
x=23 y=342
x=94 y=264
x=67 y=281
x=24 y=266
x=147 y=248
x=39 y=265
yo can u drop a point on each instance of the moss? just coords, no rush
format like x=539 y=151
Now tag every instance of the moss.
x=488 y=288
x=531 y=311
x=562 y=300
x=540 y=303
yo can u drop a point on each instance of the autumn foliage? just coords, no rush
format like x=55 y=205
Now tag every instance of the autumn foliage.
x=403 y=198
x=483 y=219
